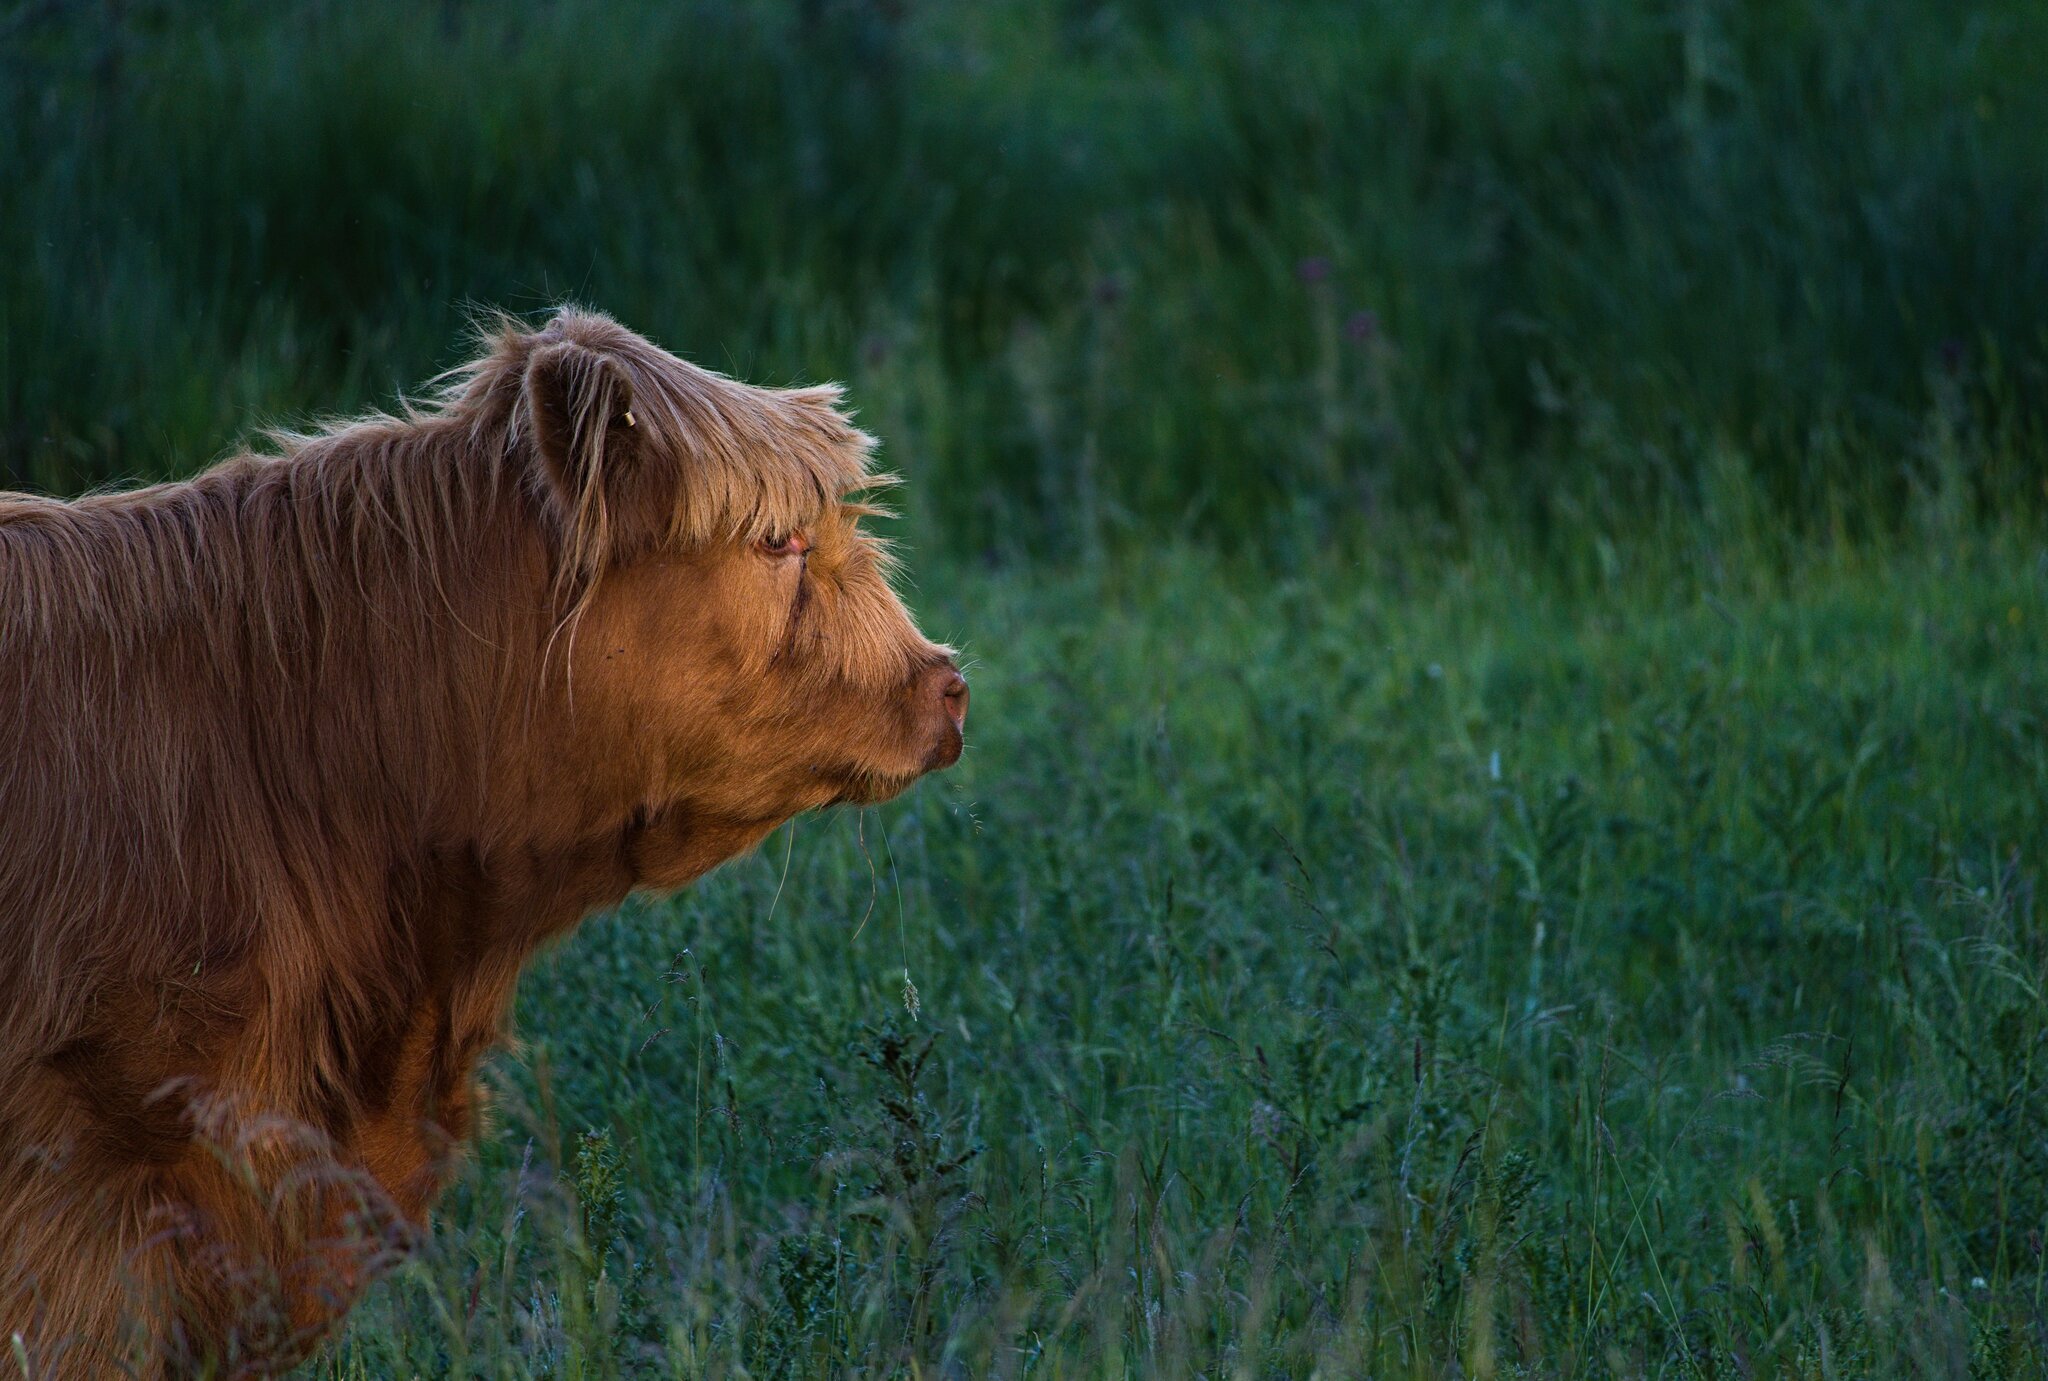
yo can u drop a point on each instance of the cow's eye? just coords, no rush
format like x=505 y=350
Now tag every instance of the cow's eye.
x=784 y=544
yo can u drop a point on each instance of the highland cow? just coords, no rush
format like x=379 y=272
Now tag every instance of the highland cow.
x=304 y=757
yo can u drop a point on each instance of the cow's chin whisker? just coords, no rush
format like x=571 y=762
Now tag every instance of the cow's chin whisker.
x=867 y=786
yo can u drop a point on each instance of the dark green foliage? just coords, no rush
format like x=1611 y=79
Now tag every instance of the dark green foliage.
x=1242 y=268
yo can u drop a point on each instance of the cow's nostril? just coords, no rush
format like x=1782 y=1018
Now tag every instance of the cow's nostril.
x=954 y=692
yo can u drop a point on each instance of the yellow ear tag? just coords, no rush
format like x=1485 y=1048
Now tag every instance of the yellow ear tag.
x=629 y=419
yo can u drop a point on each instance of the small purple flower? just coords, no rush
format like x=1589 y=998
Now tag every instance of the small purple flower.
x=1952 y=355
x=1362 y=327
x=1108 y=290
x=1313 y=270
x=874 y=349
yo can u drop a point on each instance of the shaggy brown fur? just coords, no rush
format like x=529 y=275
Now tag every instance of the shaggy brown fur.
x=304 y=757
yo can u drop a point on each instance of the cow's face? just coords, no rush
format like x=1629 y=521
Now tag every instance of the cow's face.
x=722 y=681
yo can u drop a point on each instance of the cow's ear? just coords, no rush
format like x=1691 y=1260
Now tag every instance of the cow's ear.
x=593 y=465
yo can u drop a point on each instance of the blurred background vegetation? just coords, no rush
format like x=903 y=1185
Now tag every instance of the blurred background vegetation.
x=1263 y=273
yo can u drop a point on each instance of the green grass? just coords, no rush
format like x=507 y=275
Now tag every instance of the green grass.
x=1418 y=970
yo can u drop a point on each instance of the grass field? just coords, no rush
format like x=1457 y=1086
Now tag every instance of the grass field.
x=1418 y=972
x=1503 y=550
